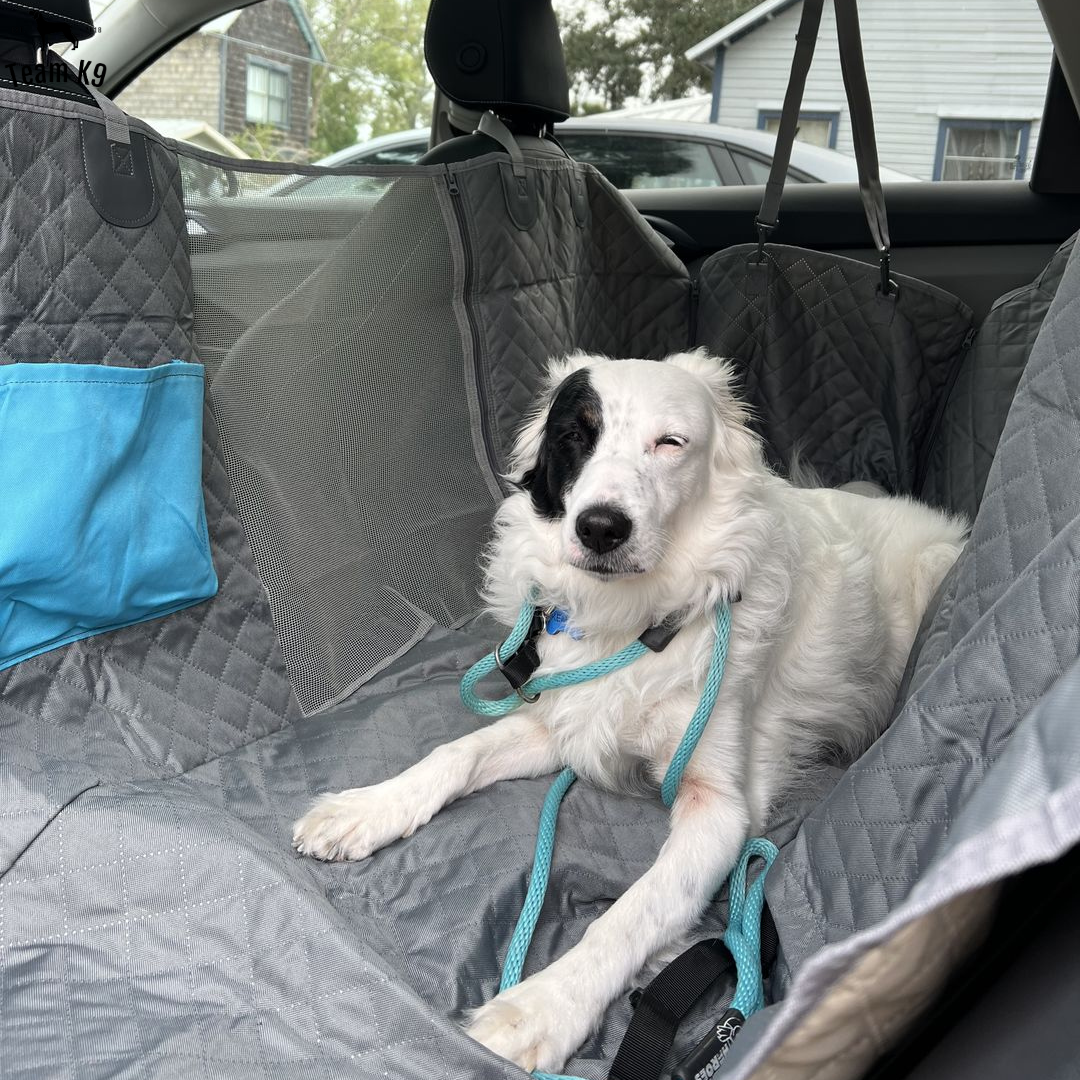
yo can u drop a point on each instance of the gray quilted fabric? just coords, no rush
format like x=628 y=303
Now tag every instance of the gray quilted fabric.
x=154 y=921
x=1006 y=630
x=74 y=287
x=179 y=935
x=848 y=380
x=161 y=696
x=961 y=448
x=609 y=285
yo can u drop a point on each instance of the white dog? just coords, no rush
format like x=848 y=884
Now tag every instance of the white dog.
x=645 y=497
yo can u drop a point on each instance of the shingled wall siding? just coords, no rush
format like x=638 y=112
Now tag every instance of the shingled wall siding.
x=269 y=31
x=185 y=83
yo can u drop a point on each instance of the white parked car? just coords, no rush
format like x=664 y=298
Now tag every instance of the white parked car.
x=636 y=154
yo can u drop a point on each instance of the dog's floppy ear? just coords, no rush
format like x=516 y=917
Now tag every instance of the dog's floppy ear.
x=527 y=457
x=736 y=440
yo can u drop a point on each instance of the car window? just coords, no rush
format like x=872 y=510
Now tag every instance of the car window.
x=631 y=161
x=291 y=80
x=408 y=154
x=343 y=186
x=958 y=91
x=755 y=170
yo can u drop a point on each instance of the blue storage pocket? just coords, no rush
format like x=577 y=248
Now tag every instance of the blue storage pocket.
x=102 y=521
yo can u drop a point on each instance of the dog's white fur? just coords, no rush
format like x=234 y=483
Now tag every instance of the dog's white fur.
x=833 y=587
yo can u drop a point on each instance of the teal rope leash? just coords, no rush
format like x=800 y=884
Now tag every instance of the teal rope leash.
x=538 y=881
x=743 y=935
x=681 y=758
x=623 y=658
x=742 y=940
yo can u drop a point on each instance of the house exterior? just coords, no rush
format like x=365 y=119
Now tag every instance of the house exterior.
x=249 y=69
x=958 y=88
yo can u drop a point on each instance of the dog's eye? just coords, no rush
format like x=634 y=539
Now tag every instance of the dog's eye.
x=671 y=440
x=572 y=438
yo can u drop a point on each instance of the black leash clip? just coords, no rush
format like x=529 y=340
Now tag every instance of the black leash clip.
x=519 y=668
x=764 y=231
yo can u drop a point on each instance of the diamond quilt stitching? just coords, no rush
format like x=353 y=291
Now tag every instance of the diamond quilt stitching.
x=1006 y=629
x=611 y=288
x=96 y=293
x=819 y=358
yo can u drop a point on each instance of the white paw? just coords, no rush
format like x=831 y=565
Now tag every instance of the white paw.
x=352 y=824
x=532 y=1026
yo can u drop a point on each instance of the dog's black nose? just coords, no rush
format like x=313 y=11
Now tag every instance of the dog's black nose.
x=602 y=528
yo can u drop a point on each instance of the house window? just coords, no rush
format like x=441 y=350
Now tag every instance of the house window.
x=267 y=93
x=981 y=149
x=816 y=128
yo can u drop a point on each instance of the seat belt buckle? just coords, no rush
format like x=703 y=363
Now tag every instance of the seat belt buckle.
x=706 y=1058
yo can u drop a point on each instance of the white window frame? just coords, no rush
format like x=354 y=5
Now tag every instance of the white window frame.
x=968 y=123
x=282 y=71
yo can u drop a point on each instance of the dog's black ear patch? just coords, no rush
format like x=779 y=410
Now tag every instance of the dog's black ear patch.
x=574 y=423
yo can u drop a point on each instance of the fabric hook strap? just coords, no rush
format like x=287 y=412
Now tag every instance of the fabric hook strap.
x=860 y=108
x=117 y=128
x=805 y=41
x=853 y=68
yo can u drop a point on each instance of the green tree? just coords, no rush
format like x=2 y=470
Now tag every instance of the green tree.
x=621 y=49
x=262 y=141
x=375 y=80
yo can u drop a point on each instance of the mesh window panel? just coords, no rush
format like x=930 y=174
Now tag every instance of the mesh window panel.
x=324 y=311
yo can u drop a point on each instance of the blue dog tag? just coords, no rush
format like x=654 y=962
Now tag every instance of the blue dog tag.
x=558 y=622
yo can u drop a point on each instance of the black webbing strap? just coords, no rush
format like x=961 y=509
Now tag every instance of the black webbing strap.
x=805 y=40
x=661 y=1007
x=853 y=69
x=862 y=124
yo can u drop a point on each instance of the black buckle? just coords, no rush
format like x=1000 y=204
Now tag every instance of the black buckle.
x=887 y=285
x=659 y=637
x=660 y=1008
x=764 y=231
x=519 y=668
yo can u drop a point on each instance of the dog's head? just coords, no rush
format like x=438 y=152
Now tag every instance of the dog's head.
x=621 y=455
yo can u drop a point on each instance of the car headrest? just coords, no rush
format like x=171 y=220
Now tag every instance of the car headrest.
x=56 y=20
x=502 y=55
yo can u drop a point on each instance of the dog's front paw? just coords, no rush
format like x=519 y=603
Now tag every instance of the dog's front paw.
x=352 y=824
x=531 y=1026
